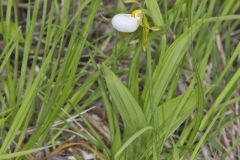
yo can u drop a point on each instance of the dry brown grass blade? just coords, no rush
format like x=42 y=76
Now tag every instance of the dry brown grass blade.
x=71 y=144
x=31 y=157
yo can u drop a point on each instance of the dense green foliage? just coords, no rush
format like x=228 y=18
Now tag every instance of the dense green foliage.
x=163 y=100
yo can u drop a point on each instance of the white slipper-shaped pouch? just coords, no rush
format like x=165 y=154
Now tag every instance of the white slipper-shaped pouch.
x=125 y=23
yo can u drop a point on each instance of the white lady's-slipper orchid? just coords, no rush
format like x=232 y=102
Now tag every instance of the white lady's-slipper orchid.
x=127 y=22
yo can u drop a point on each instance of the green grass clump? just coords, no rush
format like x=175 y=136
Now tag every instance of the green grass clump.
x=166 y=98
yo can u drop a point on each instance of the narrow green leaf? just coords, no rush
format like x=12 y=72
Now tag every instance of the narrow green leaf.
x=12 y=29
x=131 y=139
x=155 y=12
x=22 y=153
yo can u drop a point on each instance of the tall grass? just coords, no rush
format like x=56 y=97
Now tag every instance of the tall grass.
x=168 y=102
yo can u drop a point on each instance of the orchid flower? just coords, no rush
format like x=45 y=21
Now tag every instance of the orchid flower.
x=127 y=23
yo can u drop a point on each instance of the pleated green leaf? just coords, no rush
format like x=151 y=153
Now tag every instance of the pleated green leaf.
x=130 y=111
x=164 y=73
